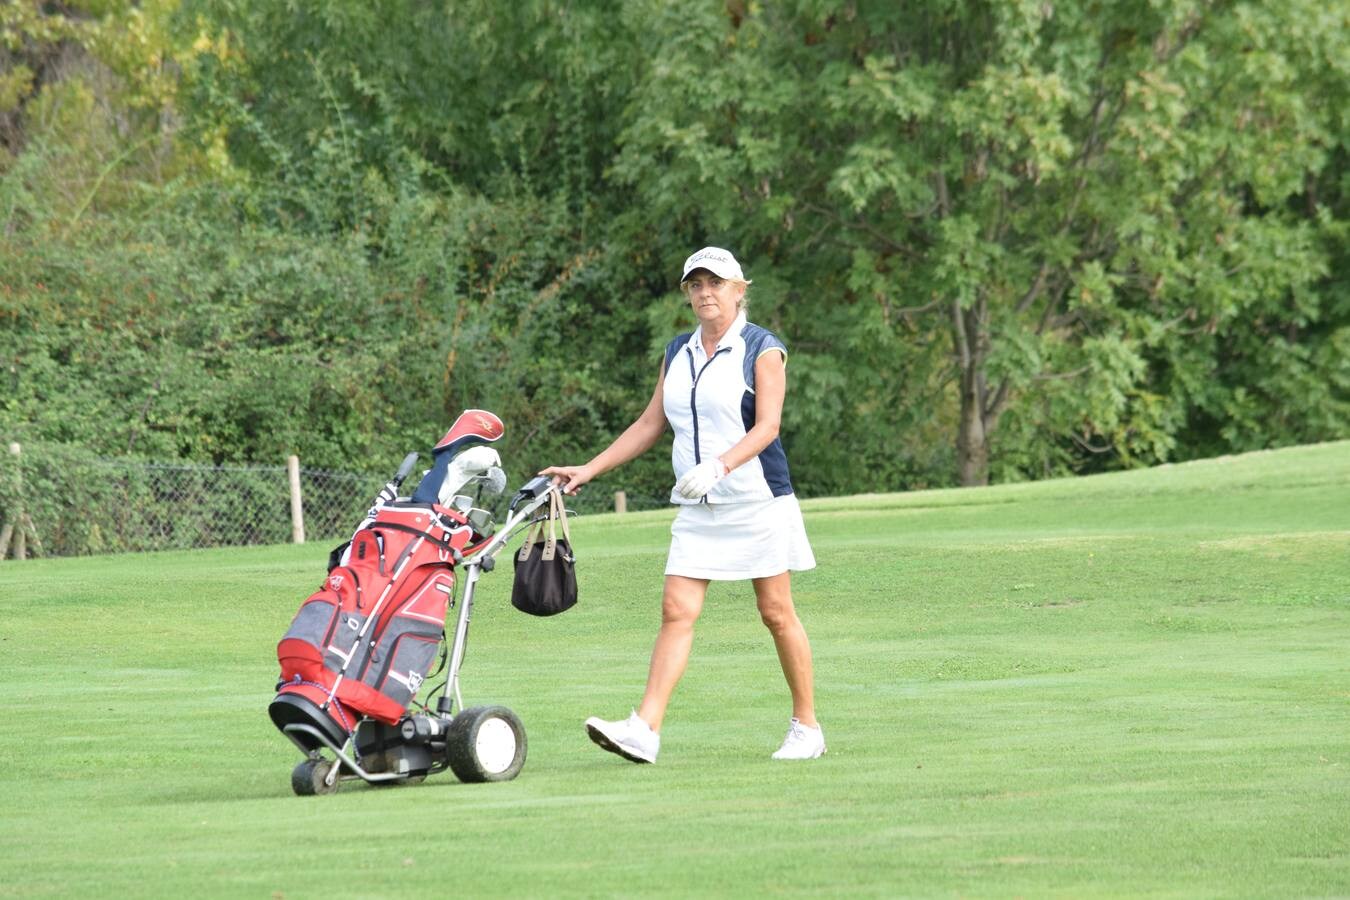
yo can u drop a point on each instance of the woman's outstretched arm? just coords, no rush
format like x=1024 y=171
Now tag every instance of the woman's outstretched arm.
x=636 y=439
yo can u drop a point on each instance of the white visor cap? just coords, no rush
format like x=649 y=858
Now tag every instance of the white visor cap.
x=717 y=261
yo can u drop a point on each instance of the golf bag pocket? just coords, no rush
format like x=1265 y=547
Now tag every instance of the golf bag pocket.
x=345 y=651
x=407 y=662
x=301 y=650
x=389 y=666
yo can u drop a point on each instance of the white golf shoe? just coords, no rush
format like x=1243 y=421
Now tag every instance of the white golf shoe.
x=631 y=738
x=802 y=742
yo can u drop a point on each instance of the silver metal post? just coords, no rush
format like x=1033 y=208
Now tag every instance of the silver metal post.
x=471 y=574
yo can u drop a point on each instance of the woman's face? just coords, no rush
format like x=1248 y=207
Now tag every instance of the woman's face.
x=714 y=299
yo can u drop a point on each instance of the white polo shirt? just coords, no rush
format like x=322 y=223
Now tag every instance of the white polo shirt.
x=710 y=403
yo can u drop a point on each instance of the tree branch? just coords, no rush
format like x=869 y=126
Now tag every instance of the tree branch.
x=1088 y=446
x=918 y=310
x=1047 y=315
x=944 y=199
x=1034 y=291
x=1092 y=144
x=881 y=236
x=1002 y=397
x=1063 y=376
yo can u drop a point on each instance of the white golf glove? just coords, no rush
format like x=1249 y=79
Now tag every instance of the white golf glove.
x=700 y=479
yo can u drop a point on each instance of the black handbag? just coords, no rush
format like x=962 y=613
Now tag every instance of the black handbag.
x=546 y=578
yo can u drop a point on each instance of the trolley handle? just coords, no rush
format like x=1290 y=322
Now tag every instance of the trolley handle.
x=532 y=495
x=536 y=487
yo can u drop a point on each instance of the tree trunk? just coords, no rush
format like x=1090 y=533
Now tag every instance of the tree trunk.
x=972 y=443
x=970 y=335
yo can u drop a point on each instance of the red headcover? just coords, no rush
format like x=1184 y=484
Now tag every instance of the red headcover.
x=474 y=426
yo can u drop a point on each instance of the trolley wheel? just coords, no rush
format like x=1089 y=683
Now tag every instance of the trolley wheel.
x=485 y=743
x=310 y=778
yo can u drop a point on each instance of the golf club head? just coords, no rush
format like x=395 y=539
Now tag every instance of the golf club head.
x=468 y=465
x=474 y=426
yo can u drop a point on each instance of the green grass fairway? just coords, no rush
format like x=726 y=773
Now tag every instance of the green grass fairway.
x=1132 y=684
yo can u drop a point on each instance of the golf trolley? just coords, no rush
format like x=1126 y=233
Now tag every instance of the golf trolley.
x=360 y=648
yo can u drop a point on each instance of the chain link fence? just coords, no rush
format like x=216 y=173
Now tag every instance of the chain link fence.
x=57 y=500
x=73 y=503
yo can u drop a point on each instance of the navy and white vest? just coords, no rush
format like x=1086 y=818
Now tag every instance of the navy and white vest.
x=710 y=403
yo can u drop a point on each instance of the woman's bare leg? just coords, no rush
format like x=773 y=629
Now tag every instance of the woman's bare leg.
x=774 y=598
x=681 y=603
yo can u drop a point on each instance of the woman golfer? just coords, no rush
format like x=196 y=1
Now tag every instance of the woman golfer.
x=721 y=388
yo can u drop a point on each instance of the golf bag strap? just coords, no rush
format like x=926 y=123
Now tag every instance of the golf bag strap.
x=557 y=514
x=560 y=512
x=408 y=529
x=557 y=521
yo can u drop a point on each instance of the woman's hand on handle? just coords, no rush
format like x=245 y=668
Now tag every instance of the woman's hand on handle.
x=569 y=478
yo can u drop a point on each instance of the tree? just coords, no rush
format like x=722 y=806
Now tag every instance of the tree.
x=1092 y=201
x=1001 y=240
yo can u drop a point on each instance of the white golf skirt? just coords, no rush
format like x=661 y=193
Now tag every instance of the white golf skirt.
x=735 y=541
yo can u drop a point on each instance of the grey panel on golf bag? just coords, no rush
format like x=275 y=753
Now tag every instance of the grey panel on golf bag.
x=407 y=655
x=314 y=622
x=409 y=638
x=346 y=640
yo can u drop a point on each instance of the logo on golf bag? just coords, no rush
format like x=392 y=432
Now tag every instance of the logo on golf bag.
x=335 y=582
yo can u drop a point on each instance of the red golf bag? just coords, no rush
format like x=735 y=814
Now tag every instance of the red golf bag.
x=370 y=634
x=362 y=644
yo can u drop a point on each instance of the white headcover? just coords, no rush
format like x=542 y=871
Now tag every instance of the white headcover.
x=470 y=463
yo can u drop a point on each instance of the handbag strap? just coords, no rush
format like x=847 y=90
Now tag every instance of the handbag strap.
x=546 y=530
x=551 y=542
x=560 y=513
x=532 y=535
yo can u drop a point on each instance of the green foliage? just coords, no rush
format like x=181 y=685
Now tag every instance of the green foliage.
x=210 y=337
x=1007 y=240
x=1072 y=194
x=501 y=99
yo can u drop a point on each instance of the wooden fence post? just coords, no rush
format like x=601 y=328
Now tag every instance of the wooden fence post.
x=620 y=502
x=14 y=521
x=297 y=506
